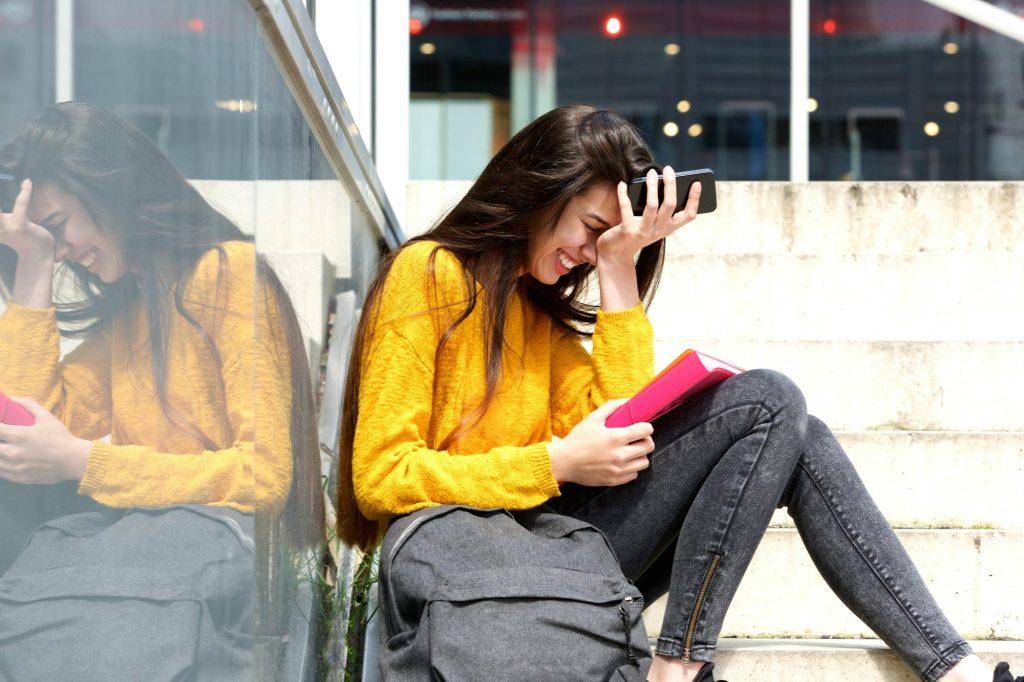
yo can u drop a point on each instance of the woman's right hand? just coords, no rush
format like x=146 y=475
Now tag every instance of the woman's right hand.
x=30 y=241
x=593 y=454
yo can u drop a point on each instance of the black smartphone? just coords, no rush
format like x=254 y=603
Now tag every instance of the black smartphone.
x=7 y=193
x=637 y=191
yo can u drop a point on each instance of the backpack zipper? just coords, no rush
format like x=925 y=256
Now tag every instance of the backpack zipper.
x=691 y=628
x=629 y=631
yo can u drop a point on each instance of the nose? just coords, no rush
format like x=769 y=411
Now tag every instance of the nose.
x=61 y=250
x=589 y=252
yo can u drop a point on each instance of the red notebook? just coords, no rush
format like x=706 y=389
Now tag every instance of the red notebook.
x=14 y=414
x=685 y=376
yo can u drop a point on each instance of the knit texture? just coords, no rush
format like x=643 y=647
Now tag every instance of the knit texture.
x=408 y=402
x=105 y=386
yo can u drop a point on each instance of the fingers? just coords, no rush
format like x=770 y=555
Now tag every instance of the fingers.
x=625 y=206
x=690 y=212
x=651 y=209
x=20 y=210
x=635 y=432
x=669 y=204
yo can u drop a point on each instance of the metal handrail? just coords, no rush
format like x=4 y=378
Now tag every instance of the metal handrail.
x=294 y=45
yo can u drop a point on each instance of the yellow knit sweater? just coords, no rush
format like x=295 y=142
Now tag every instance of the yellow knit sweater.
x=105 y=386
x=408 y=404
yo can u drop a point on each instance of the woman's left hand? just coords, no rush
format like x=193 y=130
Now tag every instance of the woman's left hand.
x=622 y=242
x=41 y=454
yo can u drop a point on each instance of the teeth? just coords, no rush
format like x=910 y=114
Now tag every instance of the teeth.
x=564 y=260
x=88 y=259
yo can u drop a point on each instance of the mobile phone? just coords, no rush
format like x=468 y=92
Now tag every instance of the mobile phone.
x=14 y=414
x=7 y=193
x=637 y=191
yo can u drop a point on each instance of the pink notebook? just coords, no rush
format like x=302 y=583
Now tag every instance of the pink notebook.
x=685 y=376
x=14 y=414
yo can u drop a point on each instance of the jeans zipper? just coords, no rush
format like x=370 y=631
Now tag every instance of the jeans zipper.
x=629 y=630
x=692 y=627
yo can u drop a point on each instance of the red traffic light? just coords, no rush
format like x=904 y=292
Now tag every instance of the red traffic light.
x=830 y=27
x=415 y=26
x=613 y=26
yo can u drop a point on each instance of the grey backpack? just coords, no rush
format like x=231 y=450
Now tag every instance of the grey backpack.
x=488 y=594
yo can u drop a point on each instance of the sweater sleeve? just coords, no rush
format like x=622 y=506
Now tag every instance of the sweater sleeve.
x=394 y=470
x=76 y=390
x=254 y=471
x=621 y=364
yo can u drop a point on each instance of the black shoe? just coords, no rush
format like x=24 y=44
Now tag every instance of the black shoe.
x=704 y=675
x=1003 y=674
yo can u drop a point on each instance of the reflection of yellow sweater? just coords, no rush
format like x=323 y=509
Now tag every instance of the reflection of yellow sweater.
x=408 y=404
x=152 y=461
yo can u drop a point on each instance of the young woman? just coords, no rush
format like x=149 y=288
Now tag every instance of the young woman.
x=191 y=361
x=469 y=385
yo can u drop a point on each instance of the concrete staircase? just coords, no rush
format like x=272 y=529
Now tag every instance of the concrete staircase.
x=898 y=310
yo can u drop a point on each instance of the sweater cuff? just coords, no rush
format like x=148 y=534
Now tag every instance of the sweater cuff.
x=31 y=325
x=95 y=469
x=541 y=467
x=623 y=320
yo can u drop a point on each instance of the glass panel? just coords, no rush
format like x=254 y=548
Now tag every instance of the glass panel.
x=187 y=232
x=906 y=91
x=705 y=81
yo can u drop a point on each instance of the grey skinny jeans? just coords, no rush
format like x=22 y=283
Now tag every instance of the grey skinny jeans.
x=689 y=524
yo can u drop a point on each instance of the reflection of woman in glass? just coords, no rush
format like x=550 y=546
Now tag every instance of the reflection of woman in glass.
x=191 y=361
x=490 y=400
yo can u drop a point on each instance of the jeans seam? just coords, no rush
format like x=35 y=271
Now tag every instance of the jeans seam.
x=840 y=518
x=943 y=663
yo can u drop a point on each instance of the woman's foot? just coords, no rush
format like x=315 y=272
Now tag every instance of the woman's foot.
x=1003 y=674
x=668 y=669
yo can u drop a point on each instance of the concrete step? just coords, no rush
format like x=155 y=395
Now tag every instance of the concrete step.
x=912 y=297
x=820 y=217
x=938 y=479
x=814 y=660
x=973 y=574
x=868 y=217
x=885 y=385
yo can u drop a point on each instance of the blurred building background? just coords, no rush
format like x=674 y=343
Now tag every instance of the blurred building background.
x=899 y=89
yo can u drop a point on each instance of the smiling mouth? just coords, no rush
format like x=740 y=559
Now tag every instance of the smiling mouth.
x=566 y=262
x=88 y=259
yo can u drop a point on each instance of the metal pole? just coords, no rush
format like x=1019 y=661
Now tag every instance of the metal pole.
x=799 y=90
x=982 y=13
x=64 y=52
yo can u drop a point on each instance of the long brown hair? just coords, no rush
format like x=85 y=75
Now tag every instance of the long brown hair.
x=520 y=195
x=128 y=186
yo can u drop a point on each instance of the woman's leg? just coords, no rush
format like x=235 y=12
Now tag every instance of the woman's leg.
x=719 y=468
x=720 y=465
x=862 y=560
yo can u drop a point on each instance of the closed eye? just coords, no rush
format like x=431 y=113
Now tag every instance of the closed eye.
x=56 y=230
x=592 y=228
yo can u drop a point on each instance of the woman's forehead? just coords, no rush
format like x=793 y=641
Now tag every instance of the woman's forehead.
x=599 y=199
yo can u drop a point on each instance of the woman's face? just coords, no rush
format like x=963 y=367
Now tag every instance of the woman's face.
x=76 y=235
x=574 y=239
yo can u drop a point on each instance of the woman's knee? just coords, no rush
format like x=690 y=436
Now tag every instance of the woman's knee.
x=776 y=390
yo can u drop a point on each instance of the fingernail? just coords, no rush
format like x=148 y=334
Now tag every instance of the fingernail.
x=621 y=184
x=26 y=183
x=668 y=170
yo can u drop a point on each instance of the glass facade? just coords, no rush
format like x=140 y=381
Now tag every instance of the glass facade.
x=899 y=90
x=199 y=235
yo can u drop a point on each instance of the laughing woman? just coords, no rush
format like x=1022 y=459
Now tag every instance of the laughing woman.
x=470 y=386
x=127 y=511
